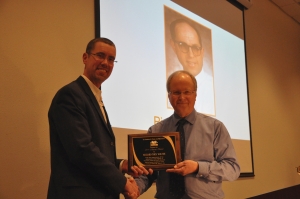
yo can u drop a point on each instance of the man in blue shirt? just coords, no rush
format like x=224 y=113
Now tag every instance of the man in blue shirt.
x=209 y=155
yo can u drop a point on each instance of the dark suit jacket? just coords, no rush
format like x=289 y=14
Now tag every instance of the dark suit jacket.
x=83 y=152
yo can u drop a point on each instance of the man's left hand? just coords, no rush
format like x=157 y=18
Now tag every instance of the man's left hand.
x=135 y=171
x=139 y=170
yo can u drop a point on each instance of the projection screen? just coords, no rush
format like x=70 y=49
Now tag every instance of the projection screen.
x=135 y=95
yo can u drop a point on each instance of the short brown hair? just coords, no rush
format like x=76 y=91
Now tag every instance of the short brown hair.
x=90 y=46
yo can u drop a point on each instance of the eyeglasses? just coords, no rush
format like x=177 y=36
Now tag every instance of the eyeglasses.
x=177 y=93
x=102 y=56
x=185 y=48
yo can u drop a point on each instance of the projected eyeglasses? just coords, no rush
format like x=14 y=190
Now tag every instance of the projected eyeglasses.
x=185 y=48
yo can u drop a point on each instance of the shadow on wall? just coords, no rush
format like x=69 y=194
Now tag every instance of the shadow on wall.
x=24 y=166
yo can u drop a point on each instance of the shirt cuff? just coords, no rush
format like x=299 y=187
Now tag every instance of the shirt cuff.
x=203 y=169
x=120 y=165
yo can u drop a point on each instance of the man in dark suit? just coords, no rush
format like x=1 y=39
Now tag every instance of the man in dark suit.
x=83 y=151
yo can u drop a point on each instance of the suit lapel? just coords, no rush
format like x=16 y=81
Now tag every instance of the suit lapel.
x=89 y=92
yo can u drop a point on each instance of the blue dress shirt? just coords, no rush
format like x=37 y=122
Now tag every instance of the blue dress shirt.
x=208 y=143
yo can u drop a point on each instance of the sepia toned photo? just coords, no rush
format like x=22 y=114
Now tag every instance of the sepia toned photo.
x=188 y=46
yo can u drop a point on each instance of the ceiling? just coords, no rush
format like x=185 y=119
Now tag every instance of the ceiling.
x=290 y=7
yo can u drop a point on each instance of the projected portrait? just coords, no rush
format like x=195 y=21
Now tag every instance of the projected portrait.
x=188 y=46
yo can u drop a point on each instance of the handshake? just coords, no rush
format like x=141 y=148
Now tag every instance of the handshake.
x=131 y=190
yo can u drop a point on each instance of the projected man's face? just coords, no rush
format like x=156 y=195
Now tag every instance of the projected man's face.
x=188 y=48
x=183 y=103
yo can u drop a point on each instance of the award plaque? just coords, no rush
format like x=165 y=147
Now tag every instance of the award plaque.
x=157 y=151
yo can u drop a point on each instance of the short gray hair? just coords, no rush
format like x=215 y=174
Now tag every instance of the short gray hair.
x=180 y=72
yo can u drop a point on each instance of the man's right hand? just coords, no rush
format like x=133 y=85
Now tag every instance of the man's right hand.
x=131 y=190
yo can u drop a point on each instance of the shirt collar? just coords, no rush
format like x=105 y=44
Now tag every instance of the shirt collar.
x=190 y=118
x=96 y=91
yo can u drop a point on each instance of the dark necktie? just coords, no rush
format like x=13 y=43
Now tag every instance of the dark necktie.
x=176 y=185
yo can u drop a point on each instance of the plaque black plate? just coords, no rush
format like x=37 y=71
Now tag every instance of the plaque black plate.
x=158 y=151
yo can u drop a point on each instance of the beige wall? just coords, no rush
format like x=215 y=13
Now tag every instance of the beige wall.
x=41 y=43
